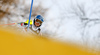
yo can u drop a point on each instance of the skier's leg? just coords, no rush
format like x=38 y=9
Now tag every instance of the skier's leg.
x=25 y=29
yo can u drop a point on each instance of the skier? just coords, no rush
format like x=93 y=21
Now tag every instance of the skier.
x=34 y=24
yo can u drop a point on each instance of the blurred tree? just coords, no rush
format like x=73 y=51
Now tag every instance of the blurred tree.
x=7 y=1
x=17 y=8
x=4 y=6
x=87 y=17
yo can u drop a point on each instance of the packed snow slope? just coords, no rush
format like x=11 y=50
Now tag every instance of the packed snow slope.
x=12 y=43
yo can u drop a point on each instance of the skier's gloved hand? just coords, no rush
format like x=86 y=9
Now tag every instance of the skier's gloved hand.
x=21 y=23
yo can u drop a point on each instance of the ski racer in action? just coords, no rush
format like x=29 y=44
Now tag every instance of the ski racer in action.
x=34 y=24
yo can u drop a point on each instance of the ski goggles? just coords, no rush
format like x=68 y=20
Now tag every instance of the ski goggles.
x=38 y=21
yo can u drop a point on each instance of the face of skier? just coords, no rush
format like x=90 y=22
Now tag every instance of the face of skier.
x=38 y=23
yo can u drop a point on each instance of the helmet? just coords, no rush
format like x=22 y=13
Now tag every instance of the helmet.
x=40 y=18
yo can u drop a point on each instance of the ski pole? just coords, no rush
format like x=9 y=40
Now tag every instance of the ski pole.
x=30 y=14
x=8 y=24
